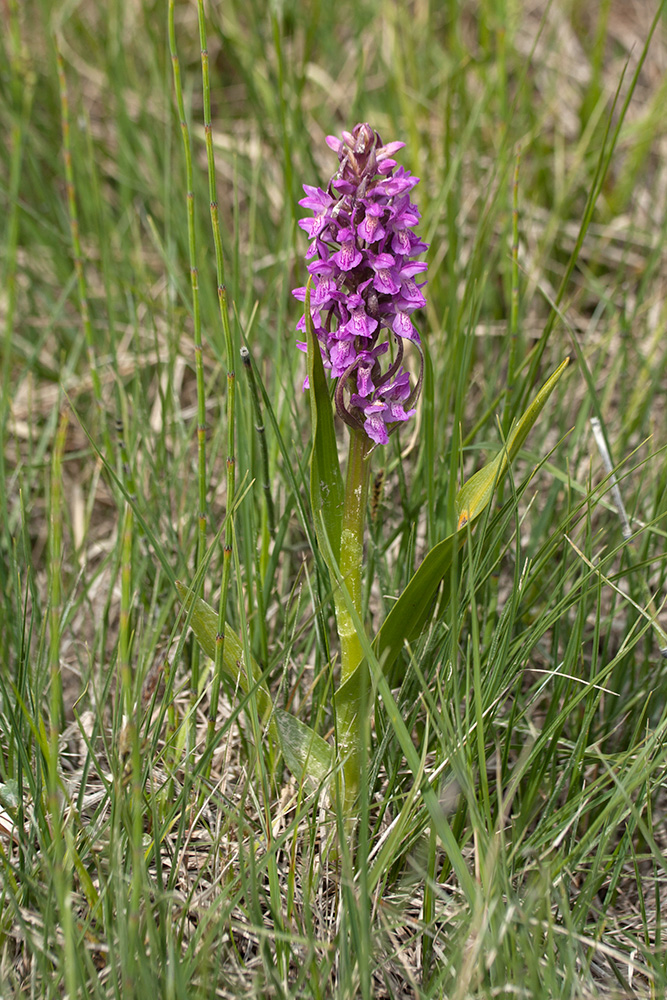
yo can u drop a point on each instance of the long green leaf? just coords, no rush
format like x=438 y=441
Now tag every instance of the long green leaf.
x=306 y=753
x=326 y=482
x=406 y=620
x=474 y=495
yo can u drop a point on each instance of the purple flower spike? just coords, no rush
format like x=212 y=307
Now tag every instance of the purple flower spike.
x=363 y=272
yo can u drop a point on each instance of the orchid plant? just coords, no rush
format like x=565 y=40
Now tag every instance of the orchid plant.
x=362 y=292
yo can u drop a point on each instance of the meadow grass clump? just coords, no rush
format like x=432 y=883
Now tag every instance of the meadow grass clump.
x=224 y=769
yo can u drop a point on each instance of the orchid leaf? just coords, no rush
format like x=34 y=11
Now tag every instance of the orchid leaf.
x=409 y=615
x=305 y=752
x=326 y=482
x=474 y=495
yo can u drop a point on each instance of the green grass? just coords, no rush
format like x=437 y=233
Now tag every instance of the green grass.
x=160 y=847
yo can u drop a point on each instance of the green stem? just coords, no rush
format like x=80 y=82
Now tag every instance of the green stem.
x=197 y=332
x=231 y=378
x=62 y=879
x=514 y=304
x=350 y=725
x=76 y=240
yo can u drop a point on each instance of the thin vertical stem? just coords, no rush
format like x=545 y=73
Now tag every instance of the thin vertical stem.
x=55 y=567
x=129 y=741
x=261 y=437
x=23 y=97
x=61 y=877
x=77 y=252
x=194 y=284
x=514 y=300
x=125 y=609
x=231 y=378
x=282 y=108
x=268 y=518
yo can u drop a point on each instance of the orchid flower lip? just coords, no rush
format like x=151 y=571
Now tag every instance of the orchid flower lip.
x=363 y=272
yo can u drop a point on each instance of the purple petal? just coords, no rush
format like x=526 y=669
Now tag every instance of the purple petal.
x=364 y=381
x=396 y=412
x=334 y=143
x=400 y=242
x=389 y=149
x=412 y=267
x=316 y=198
x=402 y=327
x=376 y=428
x=348 y=256
x=342 y=353
x=411 y=294
x=370 y=229
x=385 y=276
x=394 y=185
x=399 y=389
x=405 y=214
x=406 y=243
x=360 y=324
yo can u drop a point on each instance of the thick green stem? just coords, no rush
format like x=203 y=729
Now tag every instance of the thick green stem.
x=350 y=725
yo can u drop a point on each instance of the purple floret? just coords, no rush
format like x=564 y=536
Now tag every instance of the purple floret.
x=363 y=275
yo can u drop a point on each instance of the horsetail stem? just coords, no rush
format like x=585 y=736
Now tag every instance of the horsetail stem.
x=514 y=299
x=194 y=285
x=231 y=379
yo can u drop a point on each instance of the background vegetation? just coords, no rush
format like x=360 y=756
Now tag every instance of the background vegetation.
x=134 y=861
